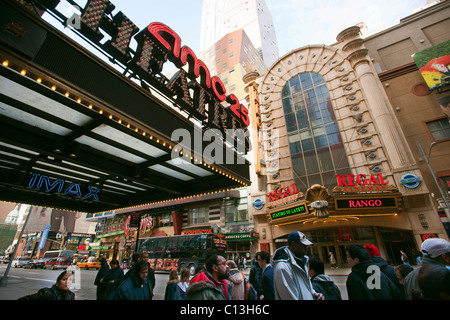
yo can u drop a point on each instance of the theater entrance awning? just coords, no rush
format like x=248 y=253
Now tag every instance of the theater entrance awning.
x=77 y=134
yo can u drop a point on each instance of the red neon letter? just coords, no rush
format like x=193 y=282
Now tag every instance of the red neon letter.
x=163 y=34
x=341 y=180
x=218 y=88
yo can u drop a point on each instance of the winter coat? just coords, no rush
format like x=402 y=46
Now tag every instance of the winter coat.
x=134 y=289
x=267 y=284
x=236 y=281
x=53 y=293
x=322 y=283
x=101 y=287
x=180 y=294
x=411 y=282
x=205 y=287
x=389 y=271
x=171 y=289
x=291 y=281
x=358 y=289
x=255 y=278
x=115 y=275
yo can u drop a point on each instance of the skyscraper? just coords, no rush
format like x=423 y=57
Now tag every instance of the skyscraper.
x=221 y=17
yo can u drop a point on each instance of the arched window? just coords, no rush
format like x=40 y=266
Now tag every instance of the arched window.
x=317 y=151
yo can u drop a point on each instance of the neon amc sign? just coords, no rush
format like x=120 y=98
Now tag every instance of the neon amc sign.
x=193 y=88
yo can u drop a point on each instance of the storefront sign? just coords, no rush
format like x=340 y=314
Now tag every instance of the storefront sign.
x=361 y=180
x=258 y=204
x=289 y=212
x=145 y=225
x=365 y=203
x=410 y=181
x=239 y=236
x=157 y=44
x=428 y=236
x=196 y=231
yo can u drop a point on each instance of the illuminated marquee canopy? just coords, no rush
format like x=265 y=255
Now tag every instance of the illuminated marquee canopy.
x=79 y=135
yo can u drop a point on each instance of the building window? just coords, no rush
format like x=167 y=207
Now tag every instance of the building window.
x=317 y=151
x=198 y=215
x=438 y=129
x=236 y=210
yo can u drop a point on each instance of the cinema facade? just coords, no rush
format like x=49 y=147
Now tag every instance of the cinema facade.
x=109 y=135
x=335 y=163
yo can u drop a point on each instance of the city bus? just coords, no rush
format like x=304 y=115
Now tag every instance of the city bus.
x=185 y=251
x=65 y=254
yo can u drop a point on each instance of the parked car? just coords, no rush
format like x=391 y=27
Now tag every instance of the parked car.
x=57 y=263
x=19 y=262
x=90 y=263
x=35 y=264
x=4 y=260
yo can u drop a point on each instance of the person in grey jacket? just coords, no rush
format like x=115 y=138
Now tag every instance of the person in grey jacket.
x=291 y=279
x=436 y=251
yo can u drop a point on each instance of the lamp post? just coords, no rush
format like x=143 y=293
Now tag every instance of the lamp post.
x=422 y=151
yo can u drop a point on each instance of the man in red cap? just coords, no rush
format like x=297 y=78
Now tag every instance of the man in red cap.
x=387 y=269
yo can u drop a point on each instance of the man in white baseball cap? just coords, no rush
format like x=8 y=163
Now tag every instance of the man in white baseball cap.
x=436 y=251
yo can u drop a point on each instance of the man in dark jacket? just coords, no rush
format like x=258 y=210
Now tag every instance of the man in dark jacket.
x=255 y=276
x=267 y=275
x=112 y=279
x=137 y=286
x=321 y=282
x=366 y=281
x=387 y=269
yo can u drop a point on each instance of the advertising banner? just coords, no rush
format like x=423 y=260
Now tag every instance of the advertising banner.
x=433 y=64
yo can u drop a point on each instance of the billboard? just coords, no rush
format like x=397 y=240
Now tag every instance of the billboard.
x=434 y=64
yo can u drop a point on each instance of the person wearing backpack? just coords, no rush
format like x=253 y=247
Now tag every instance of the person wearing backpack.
x=236 y=281
x=183 y=285
x=267 y=276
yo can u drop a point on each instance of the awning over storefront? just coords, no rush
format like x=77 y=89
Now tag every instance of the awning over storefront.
x=79 y=135
x=246 y=236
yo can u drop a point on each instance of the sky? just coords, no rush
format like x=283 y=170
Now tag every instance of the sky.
x=297 y=22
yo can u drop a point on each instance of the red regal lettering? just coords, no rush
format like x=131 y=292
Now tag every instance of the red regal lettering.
x=341 y=180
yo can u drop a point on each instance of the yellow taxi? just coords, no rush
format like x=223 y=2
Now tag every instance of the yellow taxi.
x=91 y=263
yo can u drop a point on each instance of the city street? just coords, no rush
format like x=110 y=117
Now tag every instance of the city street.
x=22 y=282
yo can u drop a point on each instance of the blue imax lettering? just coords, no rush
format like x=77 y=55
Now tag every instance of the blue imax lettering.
x=58 y=186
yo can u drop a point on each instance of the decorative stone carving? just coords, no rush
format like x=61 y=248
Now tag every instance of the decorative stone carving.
x=317 y=197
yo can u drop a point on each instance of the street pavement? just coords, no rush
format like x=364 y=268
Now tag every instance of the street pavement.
x=22 y=282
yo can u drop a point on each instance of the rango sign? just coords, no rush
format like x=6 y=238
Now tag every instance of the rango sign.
x=157 y=44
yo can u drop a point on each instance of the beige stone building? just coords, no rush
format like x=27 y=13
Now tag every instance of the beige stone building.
x=341 y=162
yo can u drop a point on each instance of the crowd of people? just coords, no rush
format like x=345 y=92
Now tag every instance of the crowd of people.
x=289 y=274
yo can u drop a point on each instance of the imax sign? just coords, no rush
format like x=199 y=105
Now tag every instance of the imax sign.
x=63 y=187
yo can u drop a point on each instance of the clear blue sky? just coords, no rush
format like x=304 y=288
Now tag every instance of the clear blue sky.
x=297 y=22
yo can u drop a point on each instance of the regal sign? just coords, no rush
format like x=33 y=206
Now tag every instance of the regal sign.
x=283 y=193
x=361 y=180
x=157 y=44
